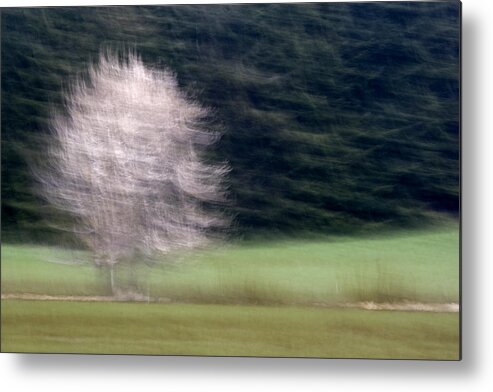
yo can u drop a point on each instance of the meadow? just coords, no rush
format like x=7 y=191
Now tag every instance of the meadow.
x=265 y=298
x=420 y=266
x=125 y=328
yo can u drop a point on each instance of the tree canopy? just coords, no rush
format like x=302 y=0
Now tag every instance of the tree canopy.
x=335 y=117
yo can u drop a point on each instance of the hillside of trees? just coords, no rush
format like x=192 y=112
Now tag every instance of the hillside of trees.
x=336 y=117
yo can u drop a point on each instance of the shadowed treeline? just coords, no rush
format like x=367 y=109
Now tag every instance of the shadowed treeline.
x=336 y=117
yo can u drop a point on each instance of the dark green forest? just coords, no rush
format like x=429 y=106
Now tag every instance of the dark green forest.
x=336 y=117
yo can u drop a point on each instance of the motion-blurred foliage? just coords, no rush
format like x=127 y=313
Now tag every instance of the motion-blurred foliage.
x=336 y=117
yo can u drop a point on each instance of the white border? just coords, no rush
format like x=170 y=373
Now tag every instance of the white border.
x=474 y=373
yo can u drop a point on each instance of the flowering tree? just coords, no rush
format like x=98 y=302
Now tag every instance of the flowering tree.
x=128 y=163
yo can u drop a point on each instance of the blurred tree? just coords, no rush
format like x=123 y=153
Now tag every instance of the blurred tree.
x=336 y=117
x=127 y=162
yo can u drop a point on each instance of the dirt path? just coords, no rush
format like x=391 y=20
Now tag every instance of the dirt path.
x=43 y=297
x=407 y=306
x=403 y=306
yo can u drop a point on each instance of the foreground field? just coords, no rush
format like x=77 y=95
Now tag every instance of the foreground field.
x=420 y=266
x=248 y=299
x=226 y=330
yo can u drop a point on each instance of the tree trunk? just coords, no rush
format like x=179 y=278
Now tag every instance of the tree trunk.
x=112 y=279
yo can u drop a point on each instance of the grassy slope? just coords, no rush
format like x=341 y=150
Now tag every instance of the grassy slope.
x=420 y=265
x=226 y=330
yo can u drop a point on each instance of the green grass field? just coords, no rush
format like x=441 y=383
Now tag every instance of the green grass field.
x=418 y=266
x=251 y=299
x=226 y=330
